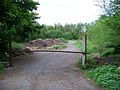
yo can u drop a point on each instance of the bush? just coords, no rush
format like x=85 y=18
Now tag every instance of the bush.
x=3 y=56
x=108 y=52
x=110 y=81
x=1 y=68
x=107 y=76
x=91 y=47
x=17 y=46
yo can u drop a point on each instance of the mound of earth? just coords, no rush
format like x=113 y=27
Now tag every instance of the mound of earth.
x=39 y=43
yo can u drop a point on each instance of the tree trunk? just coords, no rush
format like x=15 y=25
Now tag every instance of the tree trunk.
x=10 y=51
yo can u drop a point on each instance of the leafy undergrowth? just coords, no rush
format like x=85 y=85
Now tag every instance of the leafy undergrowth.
x=105 y=71
x=90 y=46
x=17 y=46
x=2 y=69
x=107 y=76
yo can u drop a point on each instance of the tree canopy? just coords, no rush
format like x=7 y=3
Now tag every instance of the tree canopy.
x=16 y=18
x=106 y=30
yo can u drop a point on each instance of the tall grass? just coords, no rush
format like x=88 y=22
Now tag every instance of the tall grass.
x=90 y=46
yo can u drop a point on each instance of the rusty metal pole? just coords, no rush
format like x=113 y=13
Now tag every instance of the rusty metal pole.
x=85 y=46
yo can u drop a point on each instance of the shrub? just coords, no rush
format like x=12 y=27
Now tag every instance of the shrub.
x=3 y=56
x=107 y=76
x=110 y=81
x=91 y=48
x=1 y=68
x=17 y=46
x=108 y=52
x=102 y=70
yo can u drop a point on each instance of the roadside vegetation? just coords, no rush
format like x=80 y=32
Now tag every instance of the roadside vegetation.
x=103 y=45
x=59 y=47
x=107 y=76
x=18 y=25
x=2 y=69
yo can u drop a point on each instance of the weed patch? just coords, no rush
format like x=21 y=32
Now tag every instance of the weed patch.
x=107 y=76
x=58 y=46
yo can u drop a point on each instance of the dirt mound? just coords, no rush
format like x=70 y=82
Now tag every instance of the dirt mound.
x=113 y=60
x=39 y=43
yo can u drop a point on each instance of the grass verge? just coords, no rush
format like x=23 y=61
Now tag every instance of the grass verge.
x=58 y=46
x=103 y=71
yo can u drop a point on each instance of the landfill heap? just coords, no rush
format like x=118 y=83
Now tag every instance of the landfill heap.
x=39 y=43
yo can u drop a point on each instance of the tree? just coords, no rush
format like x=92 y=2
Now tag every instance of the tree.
x=15 y=15
x=108 y=25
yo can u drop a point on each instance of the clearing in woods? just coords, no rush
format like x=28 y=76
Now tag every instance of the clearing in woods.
x=46 y=71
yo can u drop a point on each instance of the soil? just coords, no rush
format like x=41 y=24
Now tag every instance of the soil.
x=46 y=71
x=110 y=60
x=39 y=43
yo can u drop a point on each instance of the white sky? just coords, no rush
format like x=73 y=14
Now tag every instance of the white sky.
x=67 y=11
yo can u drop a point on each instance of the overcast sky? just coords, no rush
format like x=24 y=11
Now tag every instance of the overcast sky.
x=67 y=11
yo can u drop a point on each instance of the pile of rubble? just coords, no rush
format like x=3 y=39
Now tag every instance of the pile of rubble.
x=36 y=45
x=39 y=43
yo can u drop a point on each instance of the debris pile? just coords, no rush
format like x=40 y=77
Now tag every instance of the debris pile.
x=39 y=43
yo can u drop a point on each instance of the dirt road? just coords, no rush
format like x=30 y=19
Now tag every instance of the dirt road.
x=46 y=71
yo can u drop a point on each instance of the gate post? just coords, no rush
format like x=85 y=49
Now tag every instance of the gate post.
x=84 y=48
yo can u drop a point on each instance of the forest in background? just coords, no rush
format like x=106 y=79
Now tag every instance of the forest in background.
x=67 y=31
x=18 y=24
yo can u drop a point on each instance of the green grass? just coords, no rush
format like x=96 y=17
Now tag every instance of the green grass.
x=64 y=40
x=58 y=46
x=79 y=45
x=90 y=46
x=107 y=52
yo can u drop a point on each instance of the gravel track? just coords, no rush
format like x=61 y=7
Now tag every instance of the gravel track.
x=46 y=71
